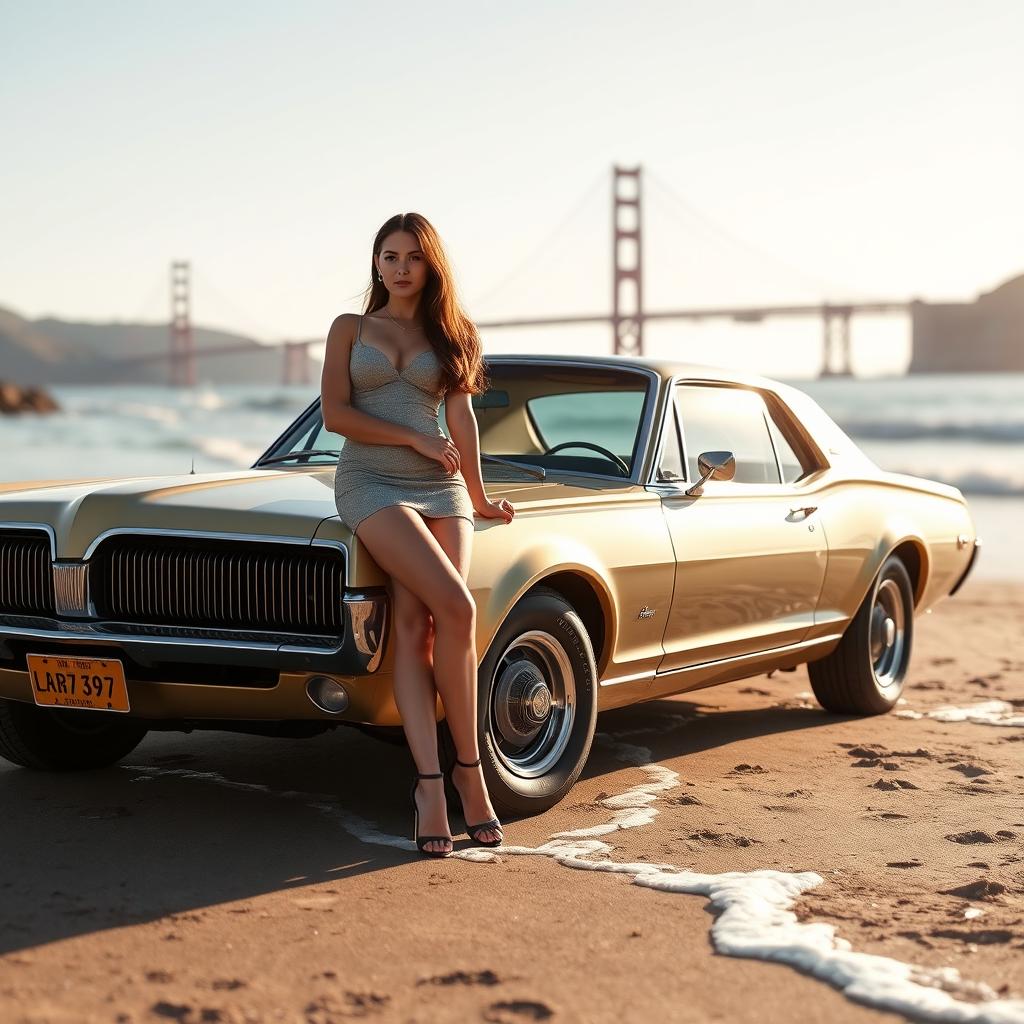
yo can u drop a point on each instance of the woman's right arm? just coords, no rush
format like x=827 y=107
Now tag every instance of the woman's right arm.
x=336 y=393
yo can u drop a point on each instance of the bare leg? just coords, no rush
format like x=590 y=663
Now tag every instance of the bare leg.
x=416 y=698
x=458 y=688
x=400 y=543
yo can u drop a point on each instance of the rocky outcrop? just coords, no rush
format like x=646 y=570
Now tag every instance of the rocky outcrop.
x=18 y=399
x=984 y=336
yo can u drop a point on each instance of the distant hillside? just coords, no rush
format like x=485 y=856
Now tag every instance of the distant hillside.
x=49 y=351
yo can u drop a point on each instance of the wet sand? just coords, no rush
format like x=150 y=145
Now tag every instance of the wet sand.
x=214 y=877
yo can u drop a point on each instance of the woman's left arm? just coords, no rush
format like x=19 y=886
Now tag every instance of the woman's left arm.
x=461 y=420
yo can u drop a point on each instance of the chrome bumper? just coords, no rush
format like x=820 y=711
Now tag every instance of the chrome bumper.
x=357 y=652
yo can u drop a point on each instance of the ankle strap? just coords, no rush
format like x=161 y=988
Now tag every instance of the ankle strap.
x=429 y=775
x=468 y=764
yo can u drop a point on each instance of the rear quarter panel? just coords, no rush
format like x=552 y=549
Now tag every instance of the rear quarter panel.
x=866 y=519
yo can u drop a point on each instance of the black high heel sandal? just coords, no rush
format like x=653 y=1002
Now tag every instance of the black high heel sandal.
x=421 y=841
x=493 y=825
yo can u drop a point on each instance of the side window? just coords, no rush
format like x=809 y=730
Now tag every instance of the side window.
x=792 y=469
x=727 y=419
x=671 y=465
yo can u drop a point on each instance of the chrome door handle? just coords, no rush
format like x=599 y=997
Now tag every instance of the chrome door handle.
x=806 y=509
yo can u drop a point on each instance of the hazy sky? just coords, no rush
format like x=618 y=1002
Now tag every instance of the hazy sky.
x=792 y=151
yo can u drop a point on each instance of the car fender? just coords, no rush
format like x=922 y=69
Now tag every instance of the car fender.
x=530 y=567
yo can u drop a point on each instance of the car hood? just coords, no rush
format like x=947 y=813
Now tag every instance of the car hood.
x=275 y=504
x=267 y=502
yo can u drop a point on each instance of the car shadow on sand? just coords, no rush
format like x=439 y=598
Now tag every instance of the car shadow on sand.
x=184 y=823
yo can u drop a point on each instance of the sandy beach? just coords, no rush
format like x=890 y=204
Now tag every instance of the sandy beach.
x=222 y=878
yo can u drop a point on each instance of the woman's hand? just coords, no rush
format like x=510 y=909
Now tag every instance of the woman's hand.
x=496 y=510
x=440 y=449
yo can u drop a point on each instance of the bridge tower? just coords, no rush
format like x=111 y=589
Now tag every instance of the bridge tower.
x=836 y=341
x=627 y=267
x=183 y=353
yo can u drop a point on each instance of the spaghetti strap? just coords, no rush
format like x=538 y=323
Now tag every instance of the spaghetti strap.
x=359 y=331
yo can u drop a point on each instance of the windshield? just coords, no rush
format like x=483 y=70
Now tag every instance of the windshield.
x=560 y=417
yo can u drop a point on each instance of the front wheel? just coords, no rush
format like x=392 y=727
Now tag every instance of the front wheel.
x=537 y=704
x=60 y=739
x=864 y=675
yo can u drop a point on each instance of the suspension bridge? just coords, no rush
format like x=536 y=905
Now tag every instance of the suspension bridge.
x=628 y=313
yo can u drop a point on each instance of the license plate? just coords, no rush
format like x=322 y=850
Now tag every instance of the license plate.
x=95 y=684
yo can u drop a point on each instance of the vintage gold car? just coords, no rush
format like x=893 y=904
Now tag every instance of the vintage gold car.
x=676 y=526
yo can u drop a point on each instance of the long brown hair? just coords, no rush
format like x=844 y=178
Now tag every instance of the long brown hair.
x=452 y=335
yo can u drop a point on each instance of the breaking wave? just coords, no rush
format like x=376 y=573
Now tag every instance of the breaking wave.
x=986 y=482
x=993 y=431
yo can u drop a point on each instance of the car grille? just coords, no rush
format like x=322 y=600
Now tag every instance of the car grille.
x=26 y=579
x=219 y=584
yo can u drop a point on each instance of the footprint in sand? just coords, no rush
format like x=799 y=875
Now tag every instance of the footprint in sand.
x=972 y=771
x=326 y=1010
x=185 y=1013
x=708 y=837
x=485 y=977
x=892 y=784
x=686 y=800
x=977 y=836
x=876 y=752
x=749 y=769
x=868 y=751
x=515 y=1011
x=982 y=889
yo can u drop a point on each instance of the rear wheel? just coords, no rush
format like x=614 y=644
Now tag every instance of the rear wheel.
x=537 y=705
x=864 y=675
x=59 y=739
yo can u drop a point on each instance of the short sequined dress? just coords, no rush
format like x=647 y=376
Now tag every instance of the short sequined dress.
x=370 y=477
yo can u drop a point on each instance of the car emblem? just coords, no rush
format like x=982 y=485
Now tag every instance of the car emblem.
x=646 y=613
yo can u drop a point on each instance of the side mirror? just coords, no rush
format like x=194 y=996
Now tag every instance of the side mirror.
x=713 y=466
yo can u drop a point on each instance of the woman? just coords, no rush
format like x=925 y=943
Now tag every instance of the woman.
x=409 y=493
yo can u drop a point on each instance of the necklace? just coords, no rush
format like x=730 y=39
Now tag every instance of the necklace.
x=396 y=323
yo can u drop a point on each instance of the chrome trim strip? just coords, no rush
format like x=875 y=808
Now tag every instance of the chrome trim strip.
x=360 y=648
x=9 y=525
x=626 y=679
x=772 y=651
x=70 y=632
x=151 y=531
x=736 y=659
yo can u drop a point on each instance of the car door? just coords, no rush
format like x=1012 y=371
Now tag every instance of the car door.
x=750 y=559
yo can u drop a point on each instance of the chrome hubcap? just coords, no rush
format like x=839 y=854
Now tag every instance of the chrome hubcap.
x=887 y=634
x=532 y=704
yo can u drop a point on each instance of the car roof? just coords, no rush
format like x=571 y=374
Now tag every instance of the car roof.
x=665 y=368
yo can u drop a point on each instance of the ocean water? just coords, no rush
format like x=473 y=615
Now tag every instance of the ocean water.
x=964 y=430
